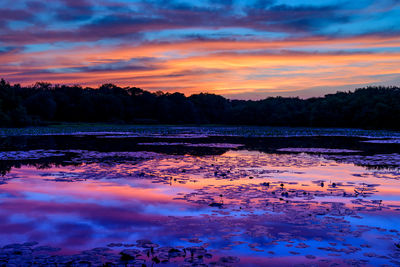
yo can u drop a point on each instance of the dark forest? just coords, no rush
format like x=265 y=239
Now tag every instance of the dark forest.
x=44 y=103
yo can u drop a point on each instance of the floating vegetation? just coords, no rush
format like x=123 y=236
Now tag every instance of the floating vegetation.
x=145 y=254
x=217 y=145
x=113 y=131
x=384 y=160
x=317 y=150
x=30 y=154
x=383 y=141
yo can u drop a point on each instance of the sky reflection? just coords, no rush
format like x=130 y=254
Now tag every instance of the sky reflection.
x=166 y=199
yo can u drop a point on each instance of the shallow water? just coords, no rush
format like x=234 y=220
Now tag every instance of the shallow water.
x=261 y=204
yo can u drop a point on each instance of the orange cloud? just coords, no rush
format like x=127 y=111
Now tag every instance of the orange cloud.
x=223 y=67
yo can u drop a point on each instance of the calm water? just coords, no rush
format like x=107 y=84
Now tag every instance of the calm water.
x=264 y=201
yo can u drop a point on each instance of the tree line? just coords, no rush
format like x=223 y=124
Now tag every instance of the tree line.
x=372 y=107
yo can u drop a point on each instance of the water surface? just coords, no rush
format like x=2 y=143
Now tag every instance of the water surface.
x=190 y=199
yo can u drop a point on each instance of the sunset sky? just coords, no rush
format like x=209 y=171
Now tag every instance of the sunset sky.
x=241 y=49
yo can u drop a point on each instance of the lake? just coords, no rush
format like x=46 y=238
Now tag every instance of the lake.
x=199 y=196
